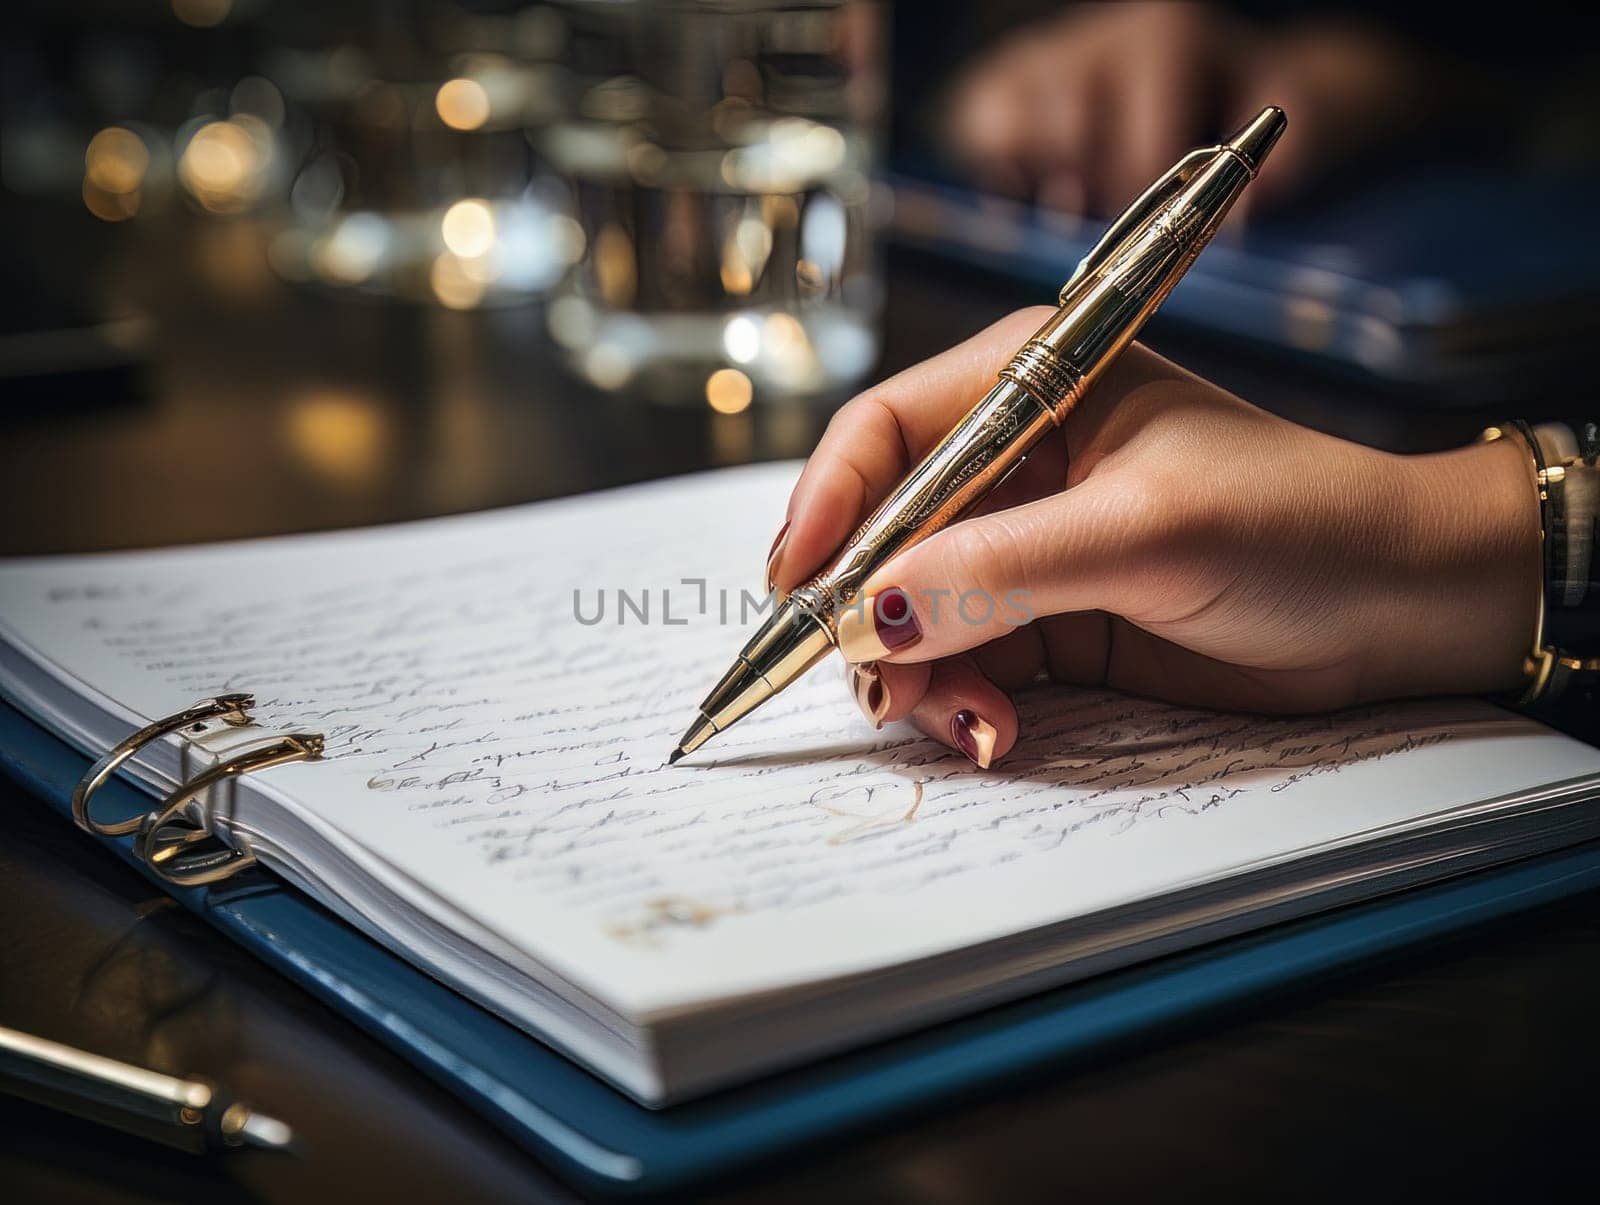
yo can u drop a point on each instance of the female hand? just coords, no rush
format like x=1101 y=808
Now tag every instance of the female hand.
x=1170 y=540
x=1083 y=110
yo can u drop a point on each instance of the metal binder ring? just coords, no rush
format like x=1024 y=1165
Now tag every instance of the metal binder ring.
x=165 y=854
x=230 y=709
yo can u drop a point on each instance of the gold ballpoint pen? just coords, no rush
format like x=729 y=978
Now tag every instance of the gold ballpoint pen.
x=1118 y=285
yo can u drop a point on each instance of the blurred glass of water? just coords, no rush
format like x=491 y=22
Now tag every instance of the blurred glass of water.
x=719 y=156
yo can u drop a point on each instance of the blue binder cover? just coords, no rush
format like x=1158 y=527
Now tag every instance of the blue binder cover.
x=605 y=1142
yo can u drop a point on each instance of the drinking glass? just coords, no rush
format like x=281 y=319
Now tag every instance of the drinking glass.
x=718 y=156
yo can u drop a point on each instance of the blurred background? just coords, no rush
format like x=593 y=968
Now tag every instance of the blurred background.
x=287 y=264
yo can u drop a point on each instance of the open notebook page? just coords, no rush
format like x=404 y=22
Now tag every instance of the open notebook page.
x=491 y=739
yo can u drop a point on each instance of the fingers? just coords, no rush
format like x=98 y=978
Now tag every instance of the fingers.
x=875 y=439
x=1018 y=115
x=886 y=693
x=1155 y=95
x=964 y=710
x=988 y=128
x=1096 y=546
x=952 y=701
x=986 y=577
x=1026 y=120
x=1115 y=541
x=1085 y=110
x=1061 y=143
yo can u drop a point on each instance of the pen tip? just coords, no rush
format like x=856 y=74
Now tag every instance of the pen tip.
x=1258 y=136
x=675 y=757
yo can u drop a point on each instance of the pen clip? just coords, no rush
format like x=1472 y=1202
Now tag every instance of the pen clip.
x=1139 y=212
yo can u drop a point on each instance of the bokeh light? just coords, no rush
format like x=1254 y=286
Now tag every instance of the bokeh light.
x=741 y=339
x=608 y=365
x=462 y=104
x=110 y=206
x=728 y=391
x=116 y=160
x=343 y=436
x=744 y=255
x=353 y=250
x=468 y=228
x=454 y=283
x=614 y=267
x=224 y=165
x=259 y=97
x=114 y=168
x=202 y=14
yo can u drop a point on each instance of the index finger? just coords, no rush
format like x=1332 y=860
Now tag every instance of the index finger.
x=875 y=439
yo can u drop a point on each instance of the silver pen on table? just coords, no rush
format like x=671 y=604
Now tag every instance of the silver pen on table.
x=189 y=1114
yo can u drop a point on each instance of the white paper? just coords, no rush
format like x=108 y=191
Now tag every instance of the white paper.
x=510 y=758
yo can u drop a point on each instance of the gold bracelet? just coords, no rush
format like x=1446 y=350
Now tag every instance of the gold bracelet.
x=1539 y=664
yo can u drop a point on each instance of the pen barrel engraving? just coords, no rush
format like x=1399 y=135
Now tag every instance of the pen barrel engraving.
x=1049 y=378
x=986 y=445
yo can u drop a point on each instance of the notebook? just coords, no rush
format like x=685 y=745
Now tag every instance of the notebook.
x=497 y=693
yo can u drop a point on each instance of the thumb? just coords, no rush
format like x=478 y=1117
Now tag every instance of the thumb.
x=986 y=576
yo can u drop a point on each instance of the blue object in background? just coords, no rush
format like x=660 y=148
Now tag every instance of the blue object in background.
x=1452 y=285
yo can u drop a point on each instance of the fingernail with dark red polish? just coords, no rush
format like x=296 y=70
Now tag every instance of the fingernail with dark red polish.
x=872 y=694
x=974 y=736
x=893 y=620
x=774 y=553
x=870 y=628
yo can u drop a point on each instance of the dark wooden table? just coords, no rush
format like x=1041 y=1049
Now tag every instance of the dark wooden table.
x=1468 y=1068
